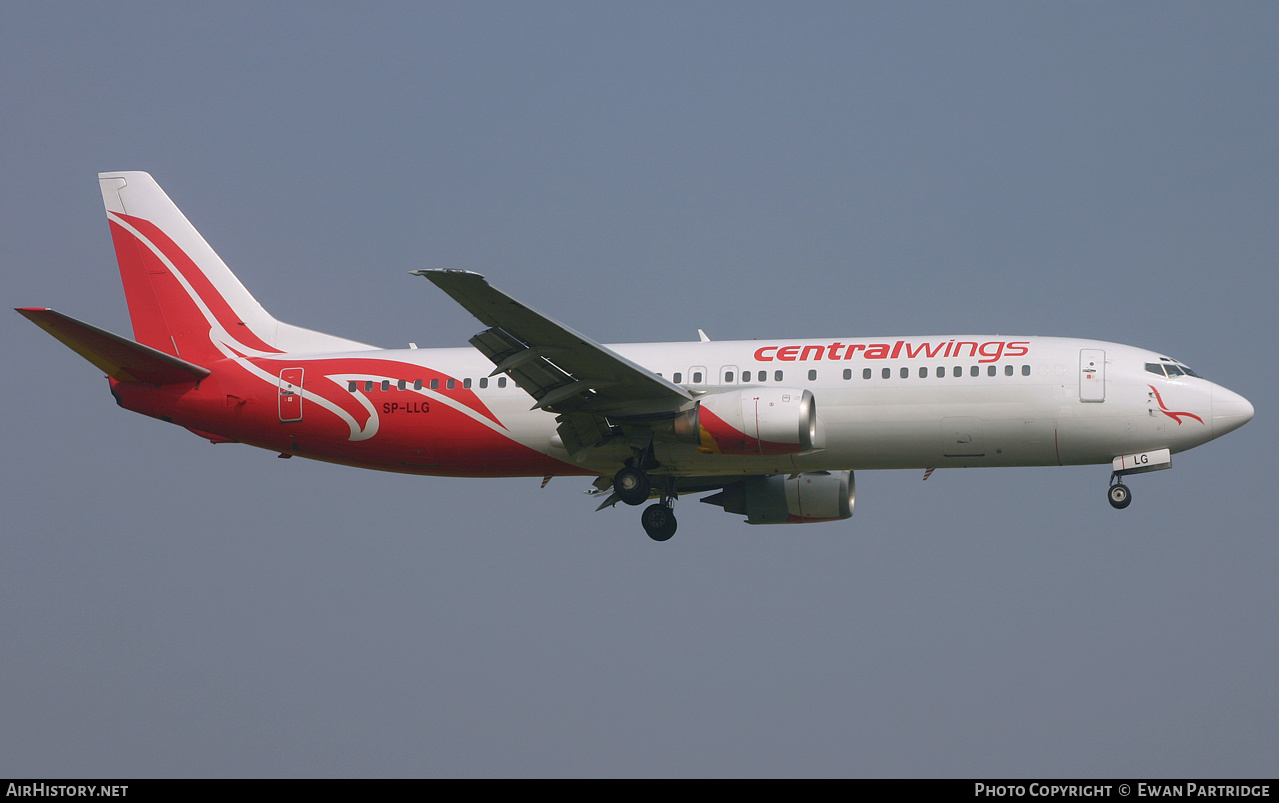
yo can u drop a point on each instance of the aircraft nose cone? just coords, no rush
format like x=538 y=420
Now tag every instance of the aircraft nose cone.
x=1229 y=411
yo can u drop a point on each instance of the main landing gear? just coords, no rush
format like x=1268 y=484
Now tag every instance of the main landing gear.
x=659 y=521
x=632 y=486
x=1118 y=494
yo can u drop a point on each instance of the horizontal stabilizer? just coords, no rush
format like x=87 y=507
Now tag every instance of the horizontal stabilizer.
x=119 y=357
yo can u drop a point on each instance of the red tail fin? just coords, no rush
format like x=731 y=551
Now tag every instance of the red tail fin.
x=183 y=300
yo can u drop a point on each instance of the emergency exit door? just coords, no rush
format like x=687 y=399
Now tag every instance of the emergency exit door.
x=1092 y=375
x=290 y=395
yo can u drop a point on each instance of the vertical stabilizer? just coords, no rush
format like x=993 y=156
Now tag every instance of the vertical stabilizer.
x=183 y=299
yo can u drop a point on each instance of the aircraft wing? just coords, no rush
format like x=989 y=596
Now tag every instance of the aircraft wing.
x=563 y=370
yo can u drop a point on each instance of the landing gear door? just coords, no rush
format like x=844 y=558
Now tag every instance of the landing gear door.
x=290 y=395
x=1092 y=375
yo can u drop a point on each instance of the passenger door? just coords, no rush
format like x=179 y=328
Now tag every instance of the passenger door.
x=1092 y=375
x=290 y=395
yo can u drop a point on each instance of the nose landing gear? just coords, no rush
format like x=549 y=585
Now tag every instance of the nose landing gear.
x=1118 y=494
x=1155 y=460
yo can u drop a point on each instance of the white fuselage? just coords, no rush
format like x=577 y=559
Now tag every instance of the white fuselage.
x=882 y=403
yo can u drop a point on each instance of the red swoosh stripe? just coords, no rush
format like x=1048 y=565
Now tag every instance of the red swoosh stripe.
x=1173 y=414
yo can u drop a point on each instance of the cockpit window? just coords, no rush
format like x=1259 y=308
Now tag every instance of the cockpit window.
x=1170 y=367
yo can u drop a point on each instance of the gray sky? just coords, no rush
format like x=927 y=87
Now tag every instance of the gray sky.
x=169 y=607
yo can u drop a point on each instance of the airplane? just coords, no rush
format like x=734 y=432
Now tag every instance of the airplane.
x=773 y=430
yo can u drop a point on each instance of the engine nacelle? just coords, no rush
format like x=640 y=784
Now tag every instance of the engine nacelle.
x=794 y=499
x=755 y=421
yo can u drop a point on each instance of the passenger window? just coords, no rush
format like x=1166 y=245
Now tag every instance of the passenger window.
x=402 y=384
x=484 y=381
x=975 y=371
x=352 y=386
x=368 y=386
x=812 y=376
x=417 y=384
x=886 y=373
x=678 y=377
x=1025 y=370
x=848 y=373
x=777 y=376
x=865 y=373
x=958 y=371
x=905 y=372
x=697 y=377
x=501 y=381
x=1008 y=370
x=386 y=384
x=990 y=370
x=435 y=384
x=466 y=383
x=941 y=372
x=923 y=372
x=450 y=384
x=728 y=377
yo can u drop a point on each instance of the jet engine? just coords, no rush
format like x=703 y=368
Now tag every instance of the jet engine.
x=794 y=499
x=755 y=421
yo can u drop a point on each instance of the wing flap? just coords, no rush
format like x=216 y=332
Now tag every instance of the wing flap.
x=118 y=357
x=562 y=369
